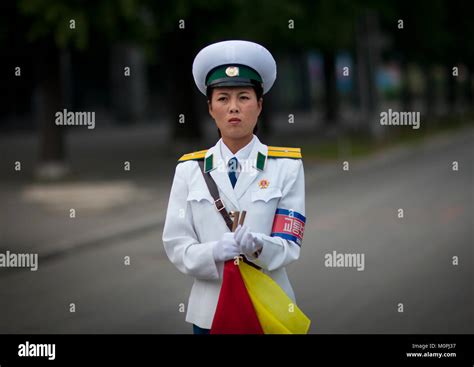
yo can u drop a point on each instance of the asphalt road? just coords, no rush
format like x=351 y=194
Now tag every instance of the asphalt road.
x=408 y=260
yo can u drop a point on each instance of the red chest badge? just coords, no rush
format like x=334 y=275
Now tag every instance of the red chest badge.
x=264 y=183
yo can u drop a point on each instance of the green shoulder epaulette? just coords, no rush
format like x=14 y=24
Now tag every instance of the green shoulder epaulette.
x=284 y=152
x=193 y=156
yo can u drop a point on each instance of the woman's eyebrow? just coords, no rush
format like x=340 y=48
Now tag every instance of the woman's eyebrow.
x=227 y=93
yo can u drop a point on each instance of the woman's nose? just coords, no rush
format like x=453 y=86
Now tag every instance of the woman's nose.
x=233 y=105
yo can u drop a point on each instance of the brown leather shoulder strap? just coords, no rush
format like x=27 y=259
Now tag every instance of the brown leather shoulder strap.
x=211 y=185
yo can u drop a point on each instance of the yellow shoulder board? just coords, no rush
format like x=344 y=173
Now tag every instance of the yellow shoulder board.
x=194 y=155
x=284 y=152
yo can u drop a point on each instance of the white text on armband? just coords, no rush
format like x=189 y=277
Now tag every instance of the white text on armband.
x=289 y=225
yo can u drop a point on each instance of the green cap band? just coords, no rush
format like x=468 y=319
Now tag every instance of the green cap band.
x=229 y=72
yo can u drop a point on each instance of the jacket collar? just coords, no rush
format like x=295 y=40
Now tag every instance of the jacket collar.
x=215 y=164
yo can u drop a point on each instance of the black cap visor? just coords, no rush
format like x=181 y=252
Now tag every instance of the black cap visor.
x=234 y=82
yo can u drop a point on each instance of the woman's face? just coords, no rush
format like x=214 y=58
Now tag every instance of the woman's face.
x=235 y=110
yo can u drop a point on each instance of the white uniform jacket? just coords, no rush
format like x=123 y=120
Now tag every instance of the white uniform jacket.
x=273 y=180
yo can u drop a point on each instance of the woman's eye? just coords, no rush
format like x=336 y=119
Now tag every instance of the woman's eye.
x=244 y=97
x=221 y=99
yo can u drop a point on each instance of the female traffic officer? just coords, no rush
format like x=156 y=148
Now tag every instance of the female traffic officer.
x=267 y=182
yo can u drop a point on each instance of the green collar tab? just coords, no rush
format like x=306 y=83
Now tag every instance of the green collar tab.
x=261 y=161
x=209 y=163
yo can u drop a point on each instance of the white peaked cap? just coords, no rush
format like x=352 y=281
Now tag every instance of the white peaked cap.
x=237 y=53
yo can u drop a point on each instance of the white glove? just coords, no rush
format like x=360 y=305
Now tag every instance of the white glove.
x=226 y=248
x=247 y=242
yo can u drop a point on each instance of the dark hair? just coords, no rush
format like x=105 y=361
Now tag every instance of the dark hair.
x=258 y=92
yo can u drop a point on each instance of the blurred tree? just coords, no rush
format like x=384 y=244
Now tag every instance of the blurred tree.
x=55 y=27
x=459 y=47
x=329 y=26
x=16 y=92
x=435 y=32
x=333 y=29
x=417 y=29
x=180 y=24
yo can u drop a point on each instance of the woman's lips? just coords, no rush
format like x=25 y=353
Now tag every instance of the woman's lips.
x=234 y=121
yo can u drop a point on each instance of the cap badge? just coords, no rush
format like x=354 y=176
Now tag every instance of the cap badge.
x=232 y=71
